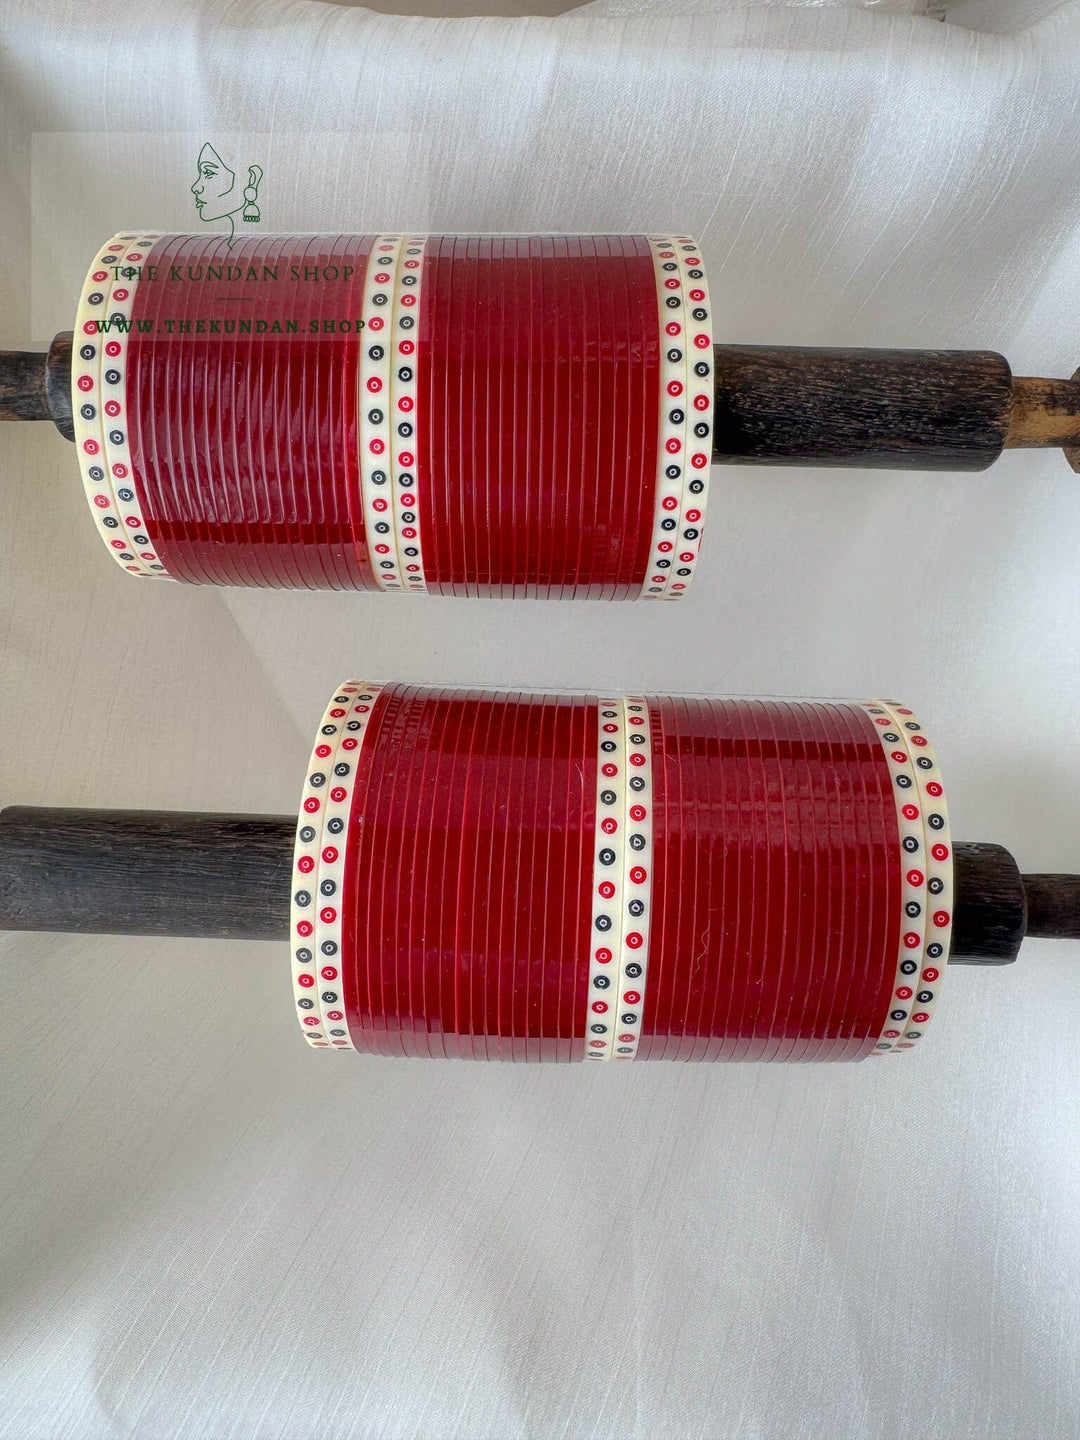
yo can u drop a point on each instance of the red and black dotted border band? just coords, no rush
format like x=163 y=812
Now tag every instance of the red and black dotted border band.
x=315 y=967
x=939 y=873
x=124 y=278
x=671 y=453
x=609 y=865
x=374 y=411
x=637 y=878
x=405 y=417
x=914 y=892
x=622 y=880
x=86 y=403
x=330 y=850
x=358 y=699
x=700 y=400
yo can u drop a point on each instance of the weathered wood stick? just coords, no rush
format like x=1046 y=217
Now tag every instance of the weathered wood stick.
x=989 y=908
x=145 y=872
x=154 y=872
x=893 y=409
x=38 y=387
x=1044 y=412
x=58 y=383
x=22 y=386
x=775 y=405
x=1053 y=906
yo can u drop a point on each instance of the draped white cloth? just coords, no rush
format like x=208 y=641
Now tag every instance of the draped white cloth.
x=210 y=1232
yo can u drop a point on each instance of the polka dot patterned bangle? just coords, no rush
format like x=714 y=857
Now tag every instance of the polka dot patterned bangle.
x=672 y=448
x=356 y=699
x=608 y=904
x=804 y=833
x=405 y=416
x=304 y=900
x=86 y=404
x=700 y=399
x=124 y=278
x=939 y=873
x=373 y=408
x=326 y=940
x=913 y=896
x=544 y=357
x=637 y=878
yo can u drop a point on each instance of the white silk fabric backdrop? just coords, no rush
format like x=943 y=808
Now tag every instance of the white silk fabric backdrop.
x=209 y=1231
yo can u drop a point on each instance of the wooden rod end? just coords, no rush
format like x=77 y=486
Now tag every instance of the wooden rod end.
x=1053 y=906
x=38 y=387
x=1046 y=413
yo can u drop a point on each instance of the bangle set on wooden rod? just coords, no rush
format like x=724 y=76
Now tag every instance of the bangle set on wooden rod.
x=569 y=877
x=468 y=415
x=521 y=877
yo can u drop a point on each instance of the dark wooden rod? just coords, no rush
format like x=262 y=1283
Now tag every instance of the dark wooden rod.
x=890 y=409
x=775 y=405
x=58 y=383
x=145 y=872
x=152 y=872
x=989 y=909
x=22 y=386
x=38 y=387
x=1053 y=906
x=1044 y=412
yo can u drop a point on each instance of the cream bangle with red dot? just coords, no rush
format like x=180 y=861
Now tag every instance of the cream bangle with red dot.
x=86 y=402
x=124 y=279
x=678 y=316
x=637 y=878
x=315 y=926
x=374 y=411
x=700 y=400
x=358 y=699
x=939 y=873
x=329 y=868
x=913 y=878
x=671 y=453
x=404 y=413
x=304 y=905
x=303 y=898
x=622 y=881
x=609 y=863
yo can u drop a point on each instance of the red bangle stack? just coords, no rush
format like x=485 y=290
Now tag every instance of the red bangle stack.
x=244 y=434
x=472 y=415
x=551 y=877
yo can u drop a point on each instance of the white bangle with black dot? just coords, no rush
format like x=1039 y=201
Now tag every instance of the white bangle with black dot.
x=124 y=278
x=939 y=873
x=607 y=893
x=404 y=436
x=304 y=898
x=671 y=452
x=373 y=411
x=913 y=893
x=700 y=402
x=86 y=402
x=637 y=878
x=356 y=698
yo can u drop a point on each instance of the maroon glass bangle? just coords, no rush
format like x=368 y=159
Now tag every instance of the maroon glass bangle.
x=465 y=415
x=488 y=868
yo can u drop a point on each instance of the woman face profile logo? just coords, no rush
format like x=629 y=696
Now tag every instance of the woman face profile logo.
x=216 y=194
